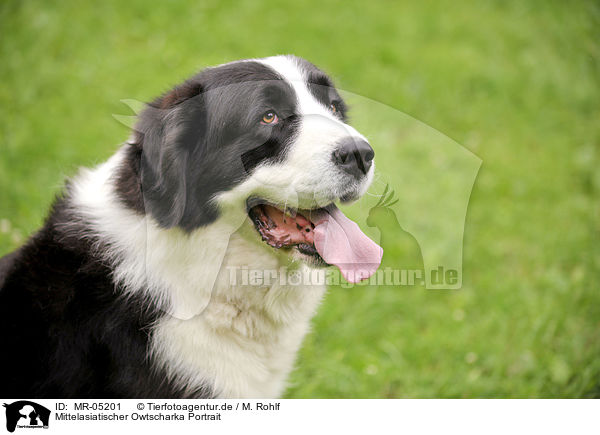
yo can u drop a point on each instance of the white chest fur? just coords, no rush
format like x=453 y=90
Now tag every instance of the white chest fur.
x=245 y=341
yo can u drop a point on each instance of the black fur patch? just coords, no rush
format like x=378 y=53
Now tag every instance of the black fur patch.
x=66 y=331
x=203 y=138
x=322 y=88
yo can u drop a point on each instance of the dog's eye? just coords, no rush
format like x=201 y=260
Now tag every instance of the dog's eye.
x=269 y=117
x=333 y=107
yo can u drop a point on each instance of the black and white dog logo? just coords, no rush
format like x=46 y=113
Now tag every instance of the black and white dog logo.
x=26 y=414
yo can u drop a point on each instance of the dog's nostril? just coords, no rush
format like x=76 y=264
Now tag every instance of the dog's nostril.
x=354 y=156
x=342 y=157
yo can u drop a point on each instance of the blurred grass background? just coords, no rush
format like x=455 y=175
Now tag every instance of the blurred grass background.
x=515 y=82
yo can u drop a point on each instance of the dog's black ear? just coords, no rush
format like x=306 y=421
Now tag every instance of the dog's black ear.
x=179 y=94
x=171 y=132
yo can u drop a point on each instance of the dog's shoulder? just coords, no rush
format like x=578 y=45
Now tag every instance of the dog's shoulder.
x=6 y=265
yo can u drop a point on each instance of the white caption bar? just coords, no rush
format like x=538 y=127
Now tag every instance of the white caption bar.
x=301 y=416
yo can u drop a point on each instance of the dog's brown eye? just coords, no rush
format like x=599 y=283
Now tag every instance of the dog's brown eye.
x=333 y=107
x=269 y=118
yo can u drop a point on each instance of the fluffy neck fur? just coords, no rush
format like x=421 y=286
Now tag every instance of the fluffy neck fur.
x=239 y=339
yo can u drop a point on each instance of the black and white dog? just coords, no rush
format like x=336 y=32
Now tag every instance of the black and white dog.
x=127 y=290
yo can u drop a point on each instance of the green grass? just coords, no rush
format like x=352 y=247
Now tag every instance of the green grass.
x=515 y=82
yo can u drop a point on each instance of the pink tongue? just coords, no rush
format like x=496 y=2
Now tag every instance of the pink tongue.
x=341 y=242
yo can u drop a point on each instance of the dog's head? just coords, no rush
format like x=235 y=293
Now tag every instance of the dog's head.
x=266 y=138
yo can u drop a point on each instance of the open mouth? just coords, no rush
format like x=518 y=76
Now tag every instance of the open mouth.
x=287 y=229
x=323 y=235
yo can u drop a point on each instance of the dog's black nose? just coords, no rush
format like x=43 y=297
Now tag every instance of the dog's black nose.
x=354 y=155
